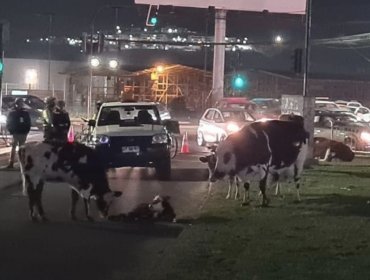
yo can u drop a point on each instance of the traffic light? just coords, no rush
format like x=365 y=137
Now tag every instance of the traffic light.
x=239 y=82
x=1 y=66
x=297 y=60
x=152 y=18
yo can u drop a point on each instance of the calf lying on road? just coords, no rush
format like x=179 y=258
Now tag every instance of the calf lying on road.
x=75 y=164
x=159 y=209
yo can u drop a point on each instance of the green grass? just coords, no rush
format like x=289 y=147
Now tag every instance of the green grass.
x=326 y=236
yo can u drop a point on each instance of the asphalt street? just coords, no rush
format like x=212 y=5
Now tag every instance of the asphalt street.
x=62 y=249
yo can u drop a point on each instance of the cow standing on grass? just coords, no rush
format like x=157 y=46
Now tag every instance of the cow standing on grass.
x=267 y=152
x=75 y=164
x=210 y=160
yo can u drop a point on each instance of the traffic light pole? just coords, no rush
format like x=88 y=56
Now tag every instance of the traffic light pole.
x=219 y=56
x=2 y=70
x=308 y=101
x=307 y=47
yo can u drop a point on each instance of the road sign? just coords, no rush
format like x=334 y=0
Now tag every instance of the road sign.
x=273 y=6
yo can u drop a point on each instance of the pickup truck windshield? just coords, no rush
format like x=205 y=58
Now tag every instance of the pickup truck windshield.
x=129 y=115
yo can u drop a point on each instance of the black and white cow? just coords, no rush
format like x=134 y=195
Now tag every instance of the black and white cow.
x=233 y=180
x=75 y=164
x=266 y=152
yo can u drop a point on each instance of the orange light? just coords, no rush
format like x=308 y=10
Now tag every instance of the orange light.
x=160 y=68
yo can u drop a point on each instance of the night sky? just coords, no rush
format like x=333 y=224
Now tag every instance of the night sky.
x=72 y=17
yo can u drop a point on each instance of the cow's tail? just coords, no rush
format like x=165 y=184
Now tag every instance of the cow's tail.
x=22 y=162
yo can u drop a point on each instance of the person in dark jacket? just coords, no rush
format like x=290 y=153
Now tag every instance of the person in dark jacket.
x=19 y=125
x=48 y=116
x=61 y=122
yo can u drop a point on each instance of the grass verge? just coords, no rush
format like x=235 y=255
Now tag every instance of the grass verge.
x=326 y=236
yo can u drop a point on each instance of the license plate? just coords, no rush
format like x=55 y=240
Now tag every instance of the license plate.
x=131 y=149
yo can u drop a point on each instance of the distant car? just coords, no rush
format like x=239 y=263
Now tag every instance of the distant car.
x=217 y=123
x=32 y=104
x=236 y=103
x=326 y=105
x=362 y=113
x=342 y=128
x=32 y=101
x=267 y=107
x=354 y=104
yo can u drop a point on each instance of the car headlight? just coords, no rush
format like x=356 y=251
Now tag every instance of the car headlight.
x=160 y=139
x=365 y=136
x=3 y=119
x=232 y=127
x=100 y=139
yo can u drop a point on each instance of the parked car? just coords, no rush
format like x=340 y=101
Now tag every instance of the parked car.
x=362 y=113
x=342 y=128
x=132 y=134
x=236 y=102
x=216 y=123
x=354 y=104
x=32 y=104
x=32 y=101
x=326 y=105
x=267 y=108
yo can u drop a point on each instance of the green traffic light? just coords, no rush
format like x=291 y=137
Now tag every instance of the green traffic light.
x=239 y=82
x=1 y=67
x=154 y=20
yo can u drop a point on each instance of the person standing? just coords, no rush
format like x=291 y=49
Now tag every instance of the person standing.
x=61 y=122
x=19 y=125
x=48 y=116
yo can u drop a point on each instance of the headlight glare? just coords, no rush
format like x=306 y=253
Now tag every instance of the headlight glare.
x=232 y=127
x=365 y=136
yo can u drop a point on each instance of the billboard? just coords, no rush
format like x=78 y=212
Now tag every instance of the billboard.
x=273 y=6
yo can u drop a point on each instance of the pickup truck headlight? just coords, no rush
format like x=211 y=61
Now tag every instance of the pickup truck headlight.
x=160 y=139
x=100 y=139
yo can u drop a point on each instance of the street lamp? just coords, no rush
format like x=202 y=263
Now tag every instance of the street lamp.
x=113 y=64
x=31 y=77
x=278 y=39
x=160 y=69
x=94 y=62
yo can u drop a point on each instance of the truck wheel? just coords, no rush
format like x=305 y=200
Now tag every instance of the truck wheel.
x=163 y=169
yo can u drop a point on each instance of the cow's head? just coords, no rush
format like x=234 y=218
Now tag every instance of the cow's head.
x=157 y=203
x=222 y=162
x=103 y=202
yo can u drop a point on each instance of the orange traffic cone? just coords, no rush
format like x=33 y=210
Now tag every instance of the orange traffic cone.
x=185 y=144
x=71 y=135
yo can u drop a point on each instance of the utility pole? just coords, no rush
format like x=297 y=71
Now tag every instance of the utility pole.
x=307 y=47
x=49 y=48
x=1 y=66
x=1 y=61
